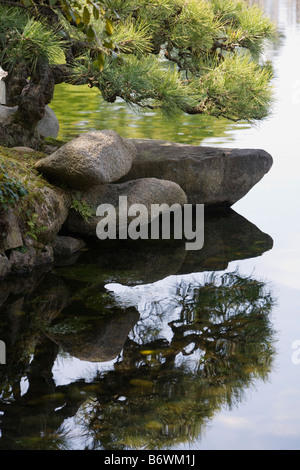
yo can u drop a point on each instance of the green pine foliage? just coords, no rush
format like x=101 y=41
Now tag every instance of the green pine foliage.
x=195 y=56
x=24 y=40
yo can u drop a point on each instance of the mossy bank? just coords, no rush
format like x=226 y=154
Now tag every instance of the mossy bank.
x=32 y=212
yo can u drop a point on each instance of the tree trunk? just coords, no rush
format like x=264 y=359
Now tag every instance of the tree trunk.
x=31 y=97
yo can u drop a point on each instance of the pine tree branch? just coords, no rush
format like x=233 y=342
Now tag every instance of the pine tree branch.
x=15 y=4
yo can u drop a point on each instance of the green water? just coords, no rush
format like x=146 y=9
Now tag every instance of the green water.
x=80 y=109
x=148 y=346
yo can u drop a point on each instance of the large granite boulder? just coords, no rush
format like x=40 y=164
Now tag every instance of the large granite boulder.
x=210 y=176
x=94 y=158
x=145 y=191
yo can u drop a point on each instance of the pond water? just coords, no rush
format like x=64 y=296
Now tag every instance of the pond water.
x=147 y=346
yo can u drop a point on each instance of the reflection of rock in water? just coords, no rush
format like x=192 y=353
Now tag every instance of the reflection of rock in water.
x=98 y=337
x=161 y=391
x=130 y=262
x=32 y=302
x=222 y=343
x=227 y=237
x=50 y=297
x=21 y=284
x=93 y=339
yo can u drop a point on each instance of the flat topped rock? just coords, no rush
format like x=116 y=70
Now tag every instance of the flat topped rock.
x=208 y=175
x=94 y=158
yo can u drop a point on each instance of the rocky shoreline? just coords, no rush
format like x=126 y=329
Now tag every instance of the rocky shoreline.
x=48 y=200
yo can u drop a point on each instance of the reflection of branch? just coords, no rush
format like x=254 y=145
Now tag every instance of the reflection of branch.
x=223 y=316
x=223 y=322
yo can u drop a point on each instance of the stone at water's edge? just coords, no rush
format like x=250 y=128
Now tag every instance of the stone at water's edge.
x=146 y=191
x=97 y=157
x=66 y=246
x=5 y=266
x=52 y=211
x=30 y=223
x=208 y=175
x=49 y=125
x=26 y=262
x=10 y=227
x=19 y=253
x=102 y=166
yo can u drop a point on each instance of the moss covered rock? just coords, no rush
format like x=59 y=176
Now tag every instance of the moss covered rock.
x=32 y=211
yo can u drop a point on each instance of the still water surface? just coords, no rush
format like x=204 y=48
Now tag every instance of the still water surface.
x=149 y=346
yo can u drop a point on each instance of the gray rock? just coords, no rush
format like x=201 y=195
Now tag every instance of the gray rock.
x=48 y=126
x=52 y=208
x=210 y=176
x=6 y=112
x=24 y=149
x=10 y=228
x=146 y=191
x=93 y=158
x=3 y=74
x=36 y=218
x=67 y=246
x=32 y=223
x=2 y=93
x=25 y=261
x=5 y=266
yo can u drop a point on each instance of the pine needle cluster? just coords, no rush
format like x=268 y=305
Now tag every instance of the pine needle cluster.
x=193 y=56
x=26 y=41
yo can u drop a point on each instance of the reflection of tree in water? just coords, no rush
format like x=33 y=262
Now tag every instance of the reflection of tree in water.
x=163 y=393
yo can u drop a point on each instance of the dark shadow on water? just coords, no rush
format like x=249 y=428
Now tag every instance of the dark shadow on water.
x=227 y=237
x=160 y=390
